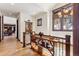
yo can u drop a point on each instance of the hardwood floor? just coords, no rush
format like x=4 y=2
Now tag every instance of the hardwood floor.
x=11 y=47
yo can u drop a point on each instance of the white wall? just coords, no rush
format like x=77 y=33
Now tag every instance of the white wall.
x=46 y=27
x=42 y=28
x=9 y=20
x=21 y=26
x=22 y=18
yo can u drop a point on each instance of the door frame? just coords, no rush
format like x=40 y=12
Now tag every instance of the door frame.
x=17 y=34
x=2 y=28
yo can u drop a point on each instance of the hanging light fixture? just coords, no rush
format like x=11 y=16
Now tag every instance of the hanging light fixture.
x=65 y=11
x=59 y=14
x=71 y=13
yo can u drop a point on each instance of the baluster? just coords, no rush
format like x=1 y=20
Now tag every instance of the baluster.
x=59 y=46
x=62 y=47
x=56 y=48
x=67 y=45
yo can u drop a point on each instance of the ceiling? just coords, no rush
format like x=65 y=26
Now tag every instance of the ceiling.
x=13 y=9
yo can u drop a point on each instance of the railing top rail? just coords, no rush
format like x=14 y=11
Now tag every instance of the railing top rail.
x=55 y=41
x=51 y=36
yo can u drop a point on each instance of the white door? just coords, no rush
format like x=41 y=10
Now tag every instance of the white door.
x=27 y=38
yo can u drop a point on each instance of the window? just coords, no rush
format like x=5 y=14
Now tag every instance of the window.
x=62 y=18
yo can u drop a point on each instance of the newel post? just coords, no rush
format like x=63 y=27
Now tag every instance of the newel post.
x=41 y=34
x=67 y=45
x=24 y=40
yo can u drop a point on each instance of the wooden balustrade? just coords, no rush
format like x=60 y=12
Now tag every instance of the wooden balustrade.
x=57 y=46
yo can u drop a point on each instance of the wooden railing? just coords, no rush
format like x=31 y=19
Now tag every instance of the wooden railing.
x=57 y=46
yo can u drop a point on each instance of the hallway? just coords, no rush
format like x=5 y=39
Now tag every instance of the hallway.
x=11 y=47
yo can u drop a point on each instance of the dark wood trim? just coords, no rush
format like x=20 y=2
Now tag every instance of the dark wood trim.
x=9 y=25
x=67 y=5
x=76 y=29
x=67 y=45
x=61 y=20
x=0 y=28
x=17 y=29
x=51 y=36
x=55 y=40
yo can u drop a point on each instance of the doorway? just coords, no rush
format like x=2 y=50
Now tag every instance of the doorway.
x=9 y=27
x=28 y=30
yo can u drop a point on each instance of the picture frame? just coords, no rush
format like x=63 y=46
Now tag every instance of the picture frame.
x=39 y=22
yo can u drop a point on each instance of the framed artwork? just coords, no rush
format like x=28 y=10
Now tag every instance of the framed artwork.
x=39 y=22
x=28 y=26
x=63 y=18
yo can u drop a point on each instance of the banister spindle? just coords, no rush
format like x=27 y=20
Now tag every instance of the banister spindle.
x=67 y=45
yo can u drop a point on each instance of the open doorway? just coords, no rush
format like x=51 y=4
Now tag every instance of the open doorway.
x=8 y=35
x=9 y=27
